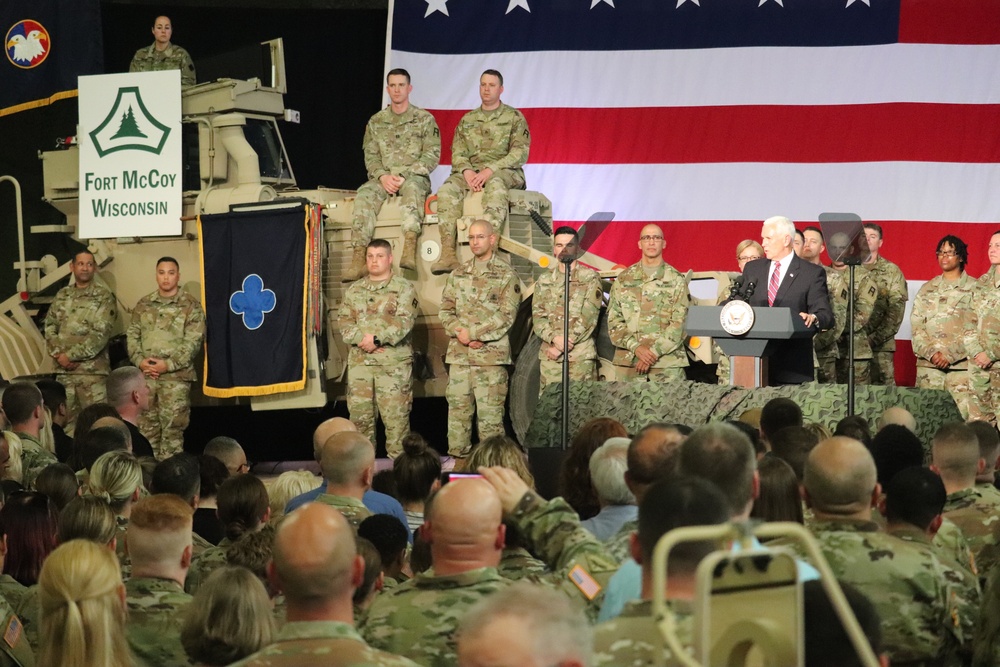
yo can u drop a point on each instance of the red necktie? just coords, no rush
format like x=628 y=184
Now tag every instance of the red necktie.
x=772 y=287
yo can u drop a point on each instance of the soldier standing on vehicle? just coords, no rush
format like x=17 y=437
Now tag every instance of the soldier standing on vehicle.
x=889 y=309
x=487 y=155
x=548 y=304
x=77 y=330
x=478 y=307
x=376 y=318
x=164 y=337
x=402 y=147
x=162 y=55
x=941 y=320
x=646 y=311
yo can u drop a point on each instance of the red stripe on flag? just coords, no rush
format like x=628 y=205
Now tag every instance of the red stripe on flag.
x=710 y=245
x=806 y=134
x=951 y=22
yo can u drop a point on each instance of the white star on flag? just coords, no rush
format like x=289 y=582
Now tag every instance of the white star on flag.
x=780 y=3
x=681 y=2
x=514 y=4
x=594 y=3
x=437 y=6
x=851 y=2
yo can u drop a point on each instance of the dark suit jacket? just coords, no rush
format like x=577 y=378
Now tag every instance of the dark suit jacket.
x=803 y=290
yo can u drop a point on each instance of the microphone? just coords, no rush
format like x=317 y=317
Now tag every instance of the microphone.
x=566 y=257
x=748 y=292
x=735 y=291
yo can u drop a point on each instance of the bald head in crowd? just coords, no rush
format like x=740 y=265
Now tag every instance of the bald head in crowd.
x=327 y=429
x=464 y=527
x=652 y=455
x=840 y=479
x=348 y=463
x=316 y=565
x=955 y=456
x=899 y=416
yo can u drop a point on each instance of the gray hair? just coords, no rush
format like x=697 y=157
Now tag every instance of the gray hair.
x=122 y=382
x=608 y=464
x=558 y=629
x=781 y=225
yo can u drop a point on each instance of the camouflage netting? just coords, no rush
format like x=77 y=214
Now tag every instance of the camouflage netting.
x=636 y=404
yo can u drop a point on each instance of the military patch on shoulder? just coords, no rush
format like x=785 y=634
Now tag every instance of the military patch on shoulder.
x=415 y=303
x=437 y=132
x=872 y=291
x=12 y=635
x=517 y=288
x=600 y=294
x=586 y=583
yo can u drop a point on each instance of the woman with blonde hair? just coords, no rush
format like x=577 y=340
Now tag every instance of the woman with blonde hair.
x=289 y=484
x=229 y=618
x=116 y=478
x=83 y=608
x=499 y=450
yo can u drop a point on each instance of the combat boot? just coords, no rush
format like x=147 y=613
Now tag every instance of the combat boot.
x=358 y=268
x=408 y=260
x=448 y=261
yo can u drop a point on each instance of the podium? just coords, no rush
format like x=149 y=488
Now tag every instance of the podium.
x=749 y=351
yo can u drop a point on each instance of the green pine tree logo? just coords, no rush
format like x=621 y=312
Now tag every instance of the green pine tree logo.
x=128 y=127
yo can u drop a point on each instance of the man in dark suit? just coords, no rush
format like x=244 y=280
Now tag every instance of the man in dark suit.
x=785 y=281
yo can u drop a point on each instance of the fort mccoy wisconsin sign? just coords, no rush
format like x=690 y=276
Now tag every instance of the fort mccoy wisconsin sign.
x=130 y=155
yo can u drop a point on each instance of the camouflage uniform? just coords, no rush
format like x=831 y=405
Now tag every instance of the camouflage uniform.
x=420 y=616
x=976 y=513
x=633 y=638
x=952 y=544
x=482 y=297
x=353 y=509
x=585 y=296
x=619 y=546
x=153 y=626
x=148 y=59
x=886 y=318
x=984 y=336
x=865 y=296
x=386 y=309
x=407 y=145
x=825 y=345
x=120 y=551
x=915 y=593
x=208 y=561
x=941 y=320
x=15 y=651
x=79 y=324
x=498 y=140
x=517 y=563
x=34 y=459
x=321 y=642
x=649 y=310
x=12 y=590
x=172 y=329
x=29 y=610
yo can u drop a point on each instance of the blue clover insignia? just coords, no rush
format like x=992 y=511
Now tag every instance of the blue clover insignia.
x=253 y=302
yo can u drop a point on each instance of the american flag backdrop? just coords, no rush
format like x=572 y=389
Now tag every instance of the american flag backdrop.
x=708 y=116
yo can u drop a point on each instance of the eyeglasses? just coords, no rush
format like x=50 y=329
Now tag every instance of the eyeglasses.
x=650 y=238
x=946 y=253
x=747 y=258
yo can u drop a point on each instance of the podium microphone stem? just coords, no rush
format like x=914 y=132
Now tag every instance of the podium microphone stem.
x=565 y=358
x=850 y=341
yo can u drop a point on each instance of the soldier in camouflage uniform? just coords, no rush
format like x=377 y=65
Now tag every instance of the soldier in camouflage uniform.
x=317 y=568
x=646 y=311
x=376 y=319
x=487 y=155
x=633 y=637
x=916 y=594
x=941 y=320
x=955 y=456
x=159 y=543
x=889 y=308
x=982 y=342
x=478 y=306
x=348 y=464
x=162 y=55
x=14 y=650
x=420 y=615
x=865 y=297
x=402 y=147
x=547 y=306
x=77 y=329
x=22 y=403
x=164 y=337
